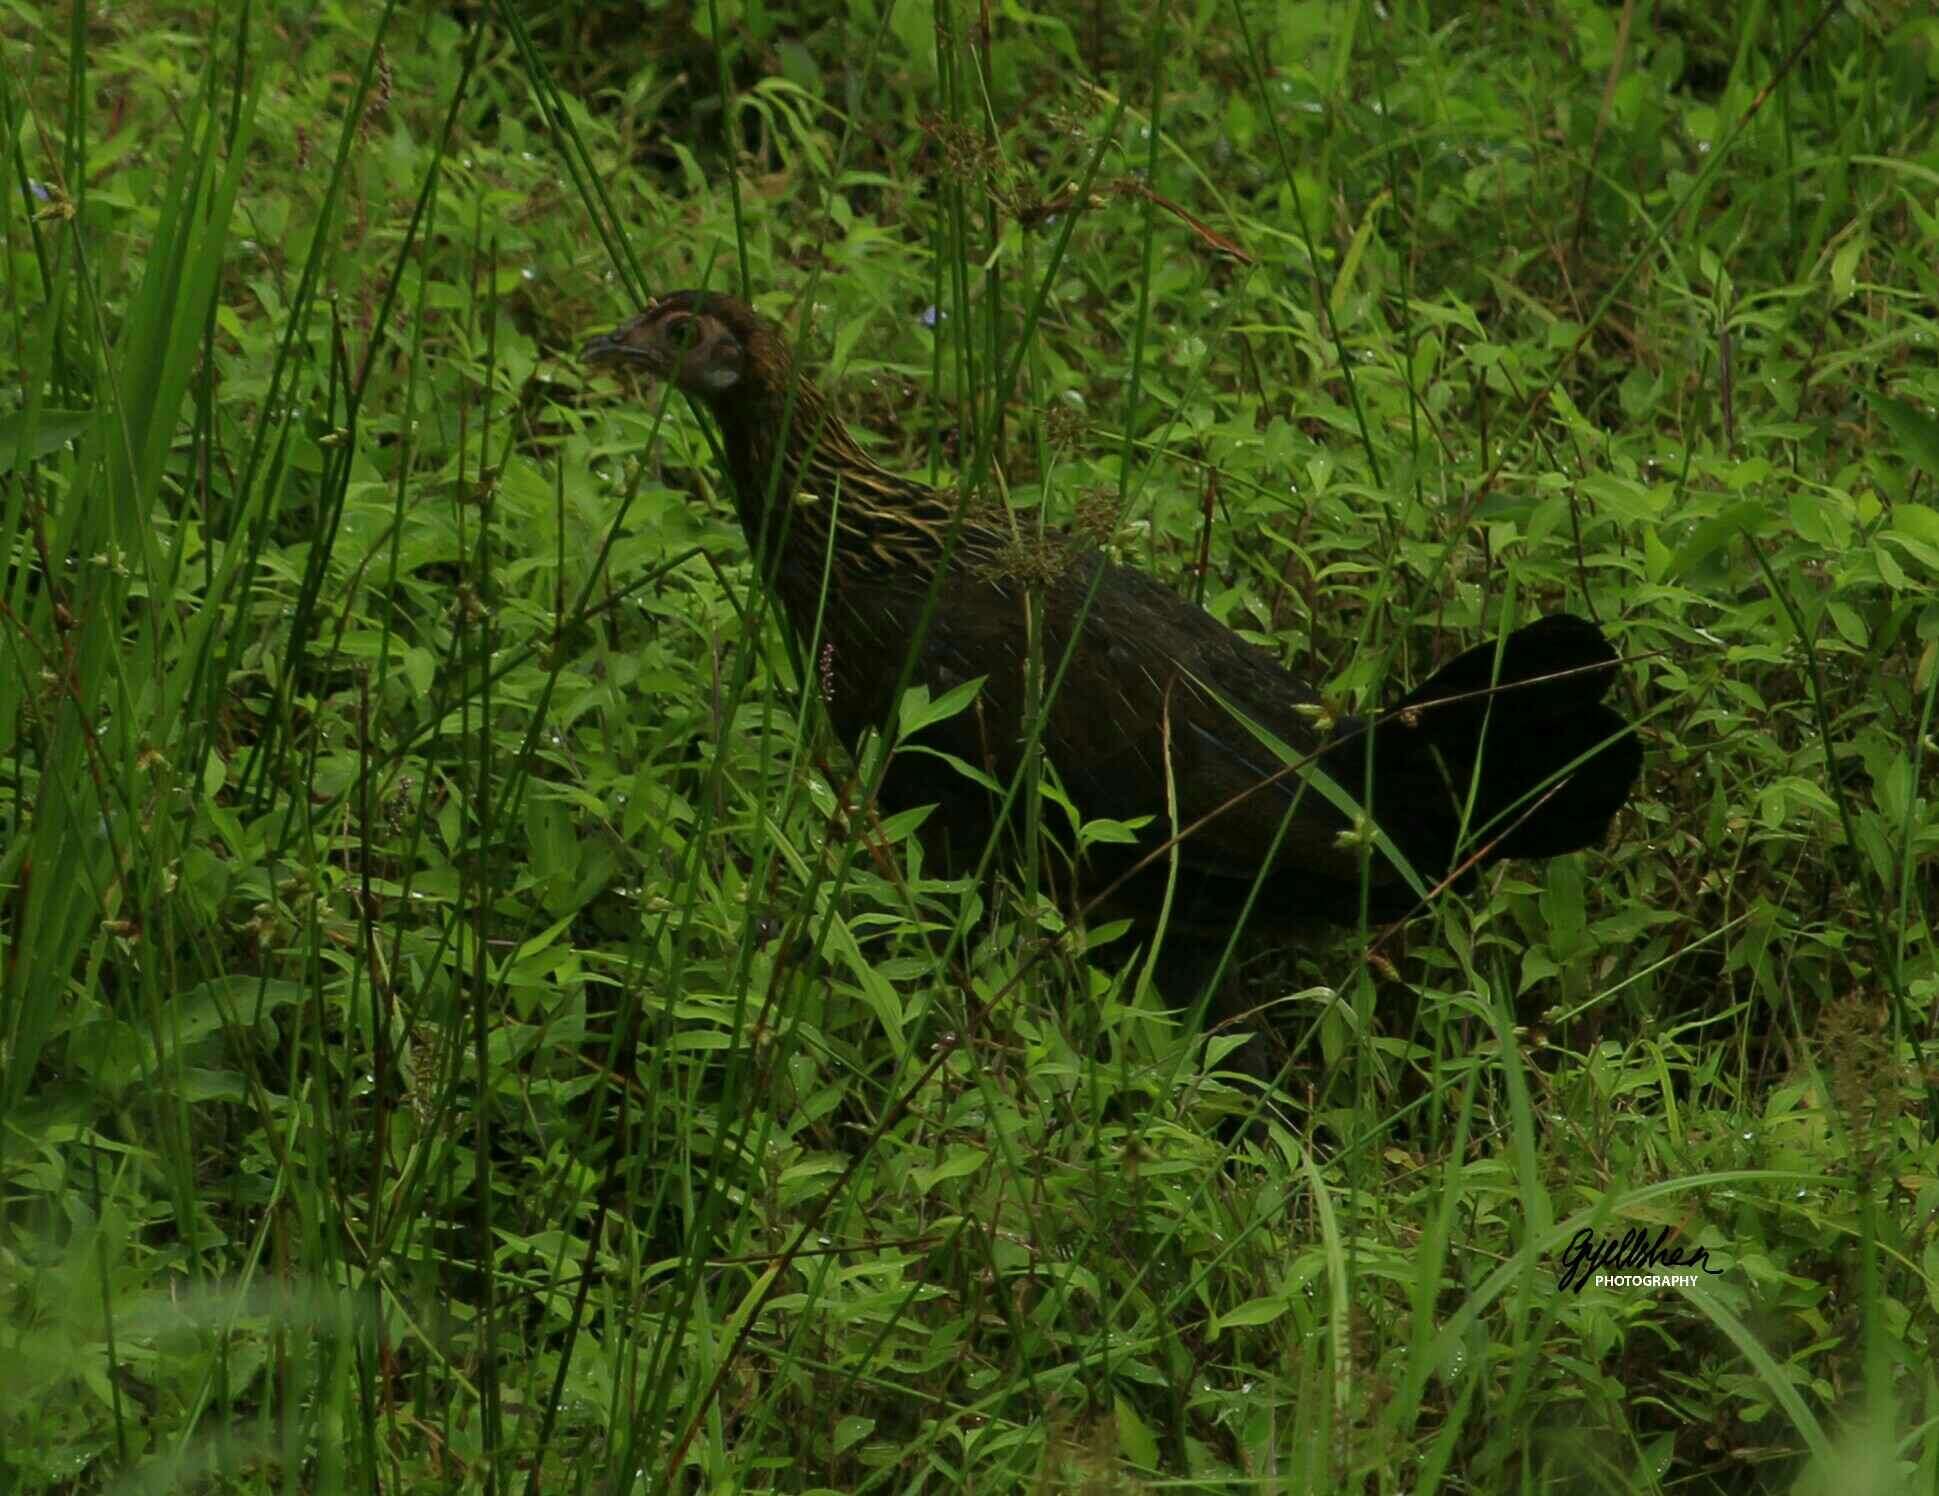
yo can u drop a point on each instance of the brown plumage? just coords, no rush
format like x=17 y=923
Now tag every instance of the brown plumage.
x=1512 y=743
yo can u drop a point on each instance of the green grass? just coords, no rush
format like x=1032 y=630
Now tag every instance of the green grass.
x=462 y=1027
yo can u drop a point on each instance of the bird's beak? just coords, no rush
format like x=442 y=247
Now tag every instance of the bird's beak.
x=607 y=348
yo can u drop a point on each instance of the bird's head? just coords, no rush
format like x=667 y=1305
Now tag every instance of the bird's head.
x=706 y=343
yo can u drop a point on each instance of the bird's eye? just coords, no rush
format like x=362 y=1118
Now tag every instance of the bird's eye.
x=682 y=329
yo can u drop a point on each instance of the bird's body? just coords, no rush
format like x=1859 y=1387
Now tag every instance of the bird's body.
x=1161 y=711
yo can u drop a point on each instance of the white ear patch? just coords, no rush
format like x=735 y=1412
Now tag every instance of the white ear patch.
x=721 y=368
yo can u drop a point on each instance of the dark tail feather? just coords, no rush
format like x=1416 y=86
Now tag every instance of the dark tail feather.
x=1511 y=729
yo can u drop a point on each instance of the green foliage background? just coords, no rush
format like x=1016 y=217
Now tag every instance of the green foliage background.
x=460 y=1027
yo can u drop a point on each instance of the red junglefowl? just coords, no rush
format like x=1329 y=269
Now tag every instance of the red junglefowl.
x=1161 y=711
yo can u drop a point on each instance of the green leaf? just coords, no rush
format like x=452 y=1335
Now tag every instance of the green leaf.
x=851 y=1429
x=961 y=1162
x=54 y=430
x=1844 y=269
x=1917 y=432
x=915 y=28
x=1135 y=1439
x=1712 y=535
x=798 y=66
x=1916 y=522
x=960 y=765
x=916 y=711
x=1260 y=1311
x=548 y=830
x=1104 y=831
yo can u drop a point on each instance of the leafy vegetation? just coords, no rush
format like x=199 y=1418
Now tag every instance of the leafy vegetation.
x=463 y=1026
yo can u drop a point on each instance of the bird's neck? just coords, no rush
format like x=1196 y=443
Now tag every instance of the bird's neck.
x=797 y=471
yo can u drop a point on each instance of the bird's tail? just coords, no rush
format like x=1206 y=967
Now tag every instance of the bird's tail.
x=1514 y=742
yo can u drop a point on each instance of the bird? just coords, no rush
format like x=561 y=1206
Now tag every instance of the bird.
x=1239 y=783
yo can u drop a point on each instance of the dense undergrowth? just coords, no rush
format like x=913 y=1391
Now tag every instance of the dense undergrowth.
x=461 y=1028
